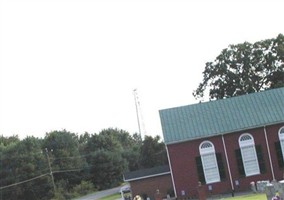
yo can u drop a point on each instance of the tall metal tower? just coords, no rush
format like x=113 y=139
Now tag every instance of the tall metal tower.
x=140 y=120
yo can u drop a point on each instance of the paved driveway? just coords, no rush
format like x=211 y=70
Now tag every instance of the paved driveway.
x=100 y=194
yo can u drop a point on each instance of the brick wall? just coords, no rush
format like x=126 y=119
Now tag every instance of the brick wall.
x=182 y=156
x=149 y=186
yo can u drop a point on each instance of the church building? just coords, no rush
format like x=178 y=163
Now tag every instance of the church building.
x=224 y=145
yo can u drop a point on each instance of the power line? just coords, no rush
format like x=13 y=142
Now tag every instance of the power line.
x=69 y=170
x=7 y=186
x=55 y=158
x=21 y=182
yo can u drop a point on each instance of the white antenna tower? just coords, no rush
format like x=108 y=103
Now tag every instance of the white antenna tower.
x=140 y=120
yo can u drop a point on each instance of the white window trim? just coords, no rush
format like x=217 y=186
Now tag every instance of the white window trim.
x=205 y=152
x=244 y=144
x=281 y=139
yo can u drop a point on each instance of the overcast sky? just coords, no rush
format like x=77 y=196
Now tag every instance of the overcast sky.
x=74 y=64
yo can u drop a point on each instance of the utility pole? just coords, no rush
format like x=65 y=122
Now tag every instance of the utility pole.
x=50 y=169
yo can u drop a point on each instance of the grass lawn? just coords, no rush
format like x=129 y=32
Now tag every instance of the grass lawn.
x=248 y=197
x=111 y=197
x=243 y=197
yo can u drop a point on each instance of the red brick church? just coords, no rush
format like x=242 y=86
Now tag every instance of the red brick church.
x=225 y=144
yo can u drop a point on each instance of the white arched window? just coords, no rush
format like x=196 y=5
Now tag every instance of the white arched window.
x=281 y=139
x=248 y=152
x=209 y=162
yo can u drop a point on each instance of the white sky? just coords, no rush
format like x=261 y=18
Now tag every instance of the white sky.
x=74 y=64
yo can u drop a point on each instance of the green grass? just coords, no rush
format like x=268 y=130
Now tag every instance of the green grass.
x=111 y=197
x=248 y=197
x=243 y=197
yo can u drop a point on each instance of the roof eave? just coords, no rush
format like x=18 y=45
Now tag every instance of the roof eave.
x=224 y=133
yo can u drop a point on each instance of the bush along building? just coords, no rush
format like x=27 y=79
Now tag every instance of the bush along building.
x=224 y=145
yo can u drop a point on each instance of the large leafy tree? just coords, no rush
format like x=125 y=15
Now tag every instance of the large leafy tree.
x=153 y=152
x=244 y=68
x=103 y=142
x=24 y=161
x=63 y=150
x=106 y=158
x=106 y=168
x=5 y=141
x=129 y=145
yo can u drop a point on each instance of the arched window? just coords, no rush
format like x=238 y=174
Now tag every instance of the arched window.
x=281 y=139
x=209 y=162
x=248 y=153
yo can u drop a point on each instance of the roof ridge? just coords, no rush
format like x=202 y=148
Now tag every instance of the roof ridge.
x=230 y=98
x=223 y=116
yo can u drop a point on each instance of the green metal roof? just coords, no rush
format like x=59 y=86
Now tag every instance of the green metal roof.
x=222 y=116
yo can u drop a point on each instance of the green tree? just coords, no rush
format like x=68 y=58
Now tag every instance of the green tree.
x=153 y=152
x=128 y=145
x=103 y=141
x=24 y=161
x=105 y=158
x=66 y=161
x=244 y=68
x=106 y=168
x=132 y=155
x=5 y=141
x=99 y=158
x=121 y=136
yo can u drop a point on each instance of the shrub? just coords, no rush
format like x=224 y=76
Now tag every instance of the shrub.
x=83 y=188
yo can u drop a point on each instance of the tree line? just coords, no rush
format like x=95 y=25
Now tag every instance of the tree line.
x=63 y=165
